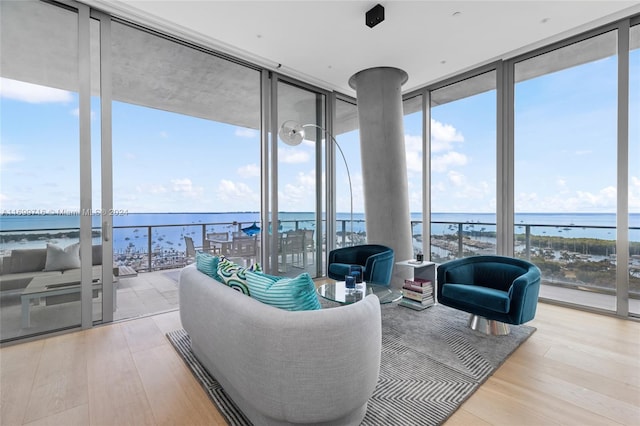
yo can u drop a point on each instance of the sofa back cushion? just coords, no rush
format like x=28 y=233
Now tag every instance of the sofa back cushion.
x=496 y=275
x=26 y=260
x=61 y=259
x=292 y=294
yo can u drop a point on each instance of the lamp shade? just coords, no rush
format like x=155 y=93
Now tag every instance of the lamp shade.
x=291 y=133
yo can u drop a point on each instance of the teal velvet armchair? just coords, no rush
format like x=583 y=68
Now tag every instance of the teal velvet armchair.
x=375 y=261
x=495 y=288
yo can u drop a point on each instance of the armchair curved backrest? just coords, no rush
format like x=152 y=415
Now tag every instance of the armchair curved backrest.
x=376 y=261
x=498 y=288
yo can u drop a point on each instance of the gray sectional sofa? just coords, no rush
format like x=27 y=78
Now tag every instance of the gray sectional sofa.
x=281 y=367
x=18 y=269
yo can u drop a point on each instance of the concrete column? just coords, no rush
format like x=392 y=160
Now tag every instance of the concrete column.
x=384 y=163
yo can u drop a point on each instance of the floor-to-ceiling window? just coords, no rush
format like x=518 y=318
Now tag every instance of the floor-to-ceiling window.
x=413 y=140
x=40 y=155
x=463 y=168
x=299 y=159
x=186 y=161
x=634 y=170
x=348 y=170
x=565 y=169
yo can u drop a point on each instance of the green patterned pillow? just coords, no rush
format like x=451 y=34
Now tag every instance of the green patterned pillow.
x=234 y=275
x=207 y=264
x=292 y=294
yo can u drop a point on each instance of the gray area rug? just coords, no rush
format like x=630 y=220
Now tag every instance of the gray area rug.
x=431 y=363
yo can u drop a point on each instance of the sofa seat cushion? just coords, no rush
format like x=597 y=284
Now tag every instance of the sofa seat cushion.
x=292 y=294
x=477 y=296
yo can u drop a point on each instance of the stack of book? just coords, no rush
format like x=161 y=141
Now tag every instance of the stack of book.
x=417 y=294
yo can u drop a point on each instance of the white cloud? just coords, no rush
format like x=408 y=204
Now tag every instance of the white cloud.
x=245 y=133
x=146 y=188
x=458 y=193
x=576 y=201
x=229 y=191
x=9 y=154
x=249 y=171
x=413 y=146
x=293 y=156
x=443 y=162
x=186 y=187
x=443 y=135
x=456 y=178
x=164 y=134
x=299 y=195
x=32 y=93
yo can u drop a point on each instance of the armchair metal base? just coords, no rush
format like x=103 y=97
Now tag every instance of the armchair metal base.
x=487 y=326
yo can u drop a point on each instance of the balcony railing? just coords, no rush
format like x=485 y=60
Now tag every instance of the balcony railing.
x=572 y=255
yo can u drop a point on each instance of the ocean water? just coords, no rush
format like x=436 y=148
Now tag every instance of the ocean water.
x=169 y=229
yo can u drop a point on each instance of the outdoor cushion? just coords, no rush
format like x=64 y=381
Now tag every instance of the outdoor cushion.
x=59 y=259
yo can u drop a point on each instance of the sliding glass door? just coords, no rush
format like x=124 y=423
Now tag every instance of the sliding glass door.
x=186 y=163
x=45 y=282
x=300 y=172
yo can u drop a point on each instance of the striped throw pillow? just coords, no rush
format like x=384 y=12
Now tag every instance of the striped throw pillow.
x=207 y=264
x=234 y=275
x=292 y=294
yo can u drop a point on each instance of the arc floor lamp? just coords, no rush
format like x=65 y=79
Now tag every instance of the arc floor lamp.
x=292 y=133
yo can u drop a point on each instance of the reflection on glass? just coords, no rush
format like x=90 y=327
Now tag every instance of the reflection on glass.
x=40 y=169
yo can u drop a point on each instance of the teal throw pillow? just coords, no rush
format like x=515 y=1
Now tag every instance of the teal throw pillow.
x=207 y=264
x=292 y=294
x=234 y=275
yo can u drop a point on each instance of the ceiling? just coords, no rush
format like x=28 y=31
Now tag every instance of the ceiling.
x=326 y=42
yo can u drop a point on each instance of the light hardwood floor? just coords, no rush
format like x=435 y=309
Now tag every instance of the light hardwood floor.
x=577 y=369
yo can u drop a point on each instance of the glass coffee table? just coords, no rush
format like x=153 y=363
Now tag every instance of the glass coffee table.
x=337 y=292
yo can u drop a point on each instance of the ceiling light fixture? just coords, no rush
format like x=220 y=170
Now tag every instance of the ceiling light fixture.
x=374 y=16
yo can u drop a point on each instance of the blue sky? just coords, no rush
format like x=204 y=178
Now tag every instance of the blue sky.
x=565 y=153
